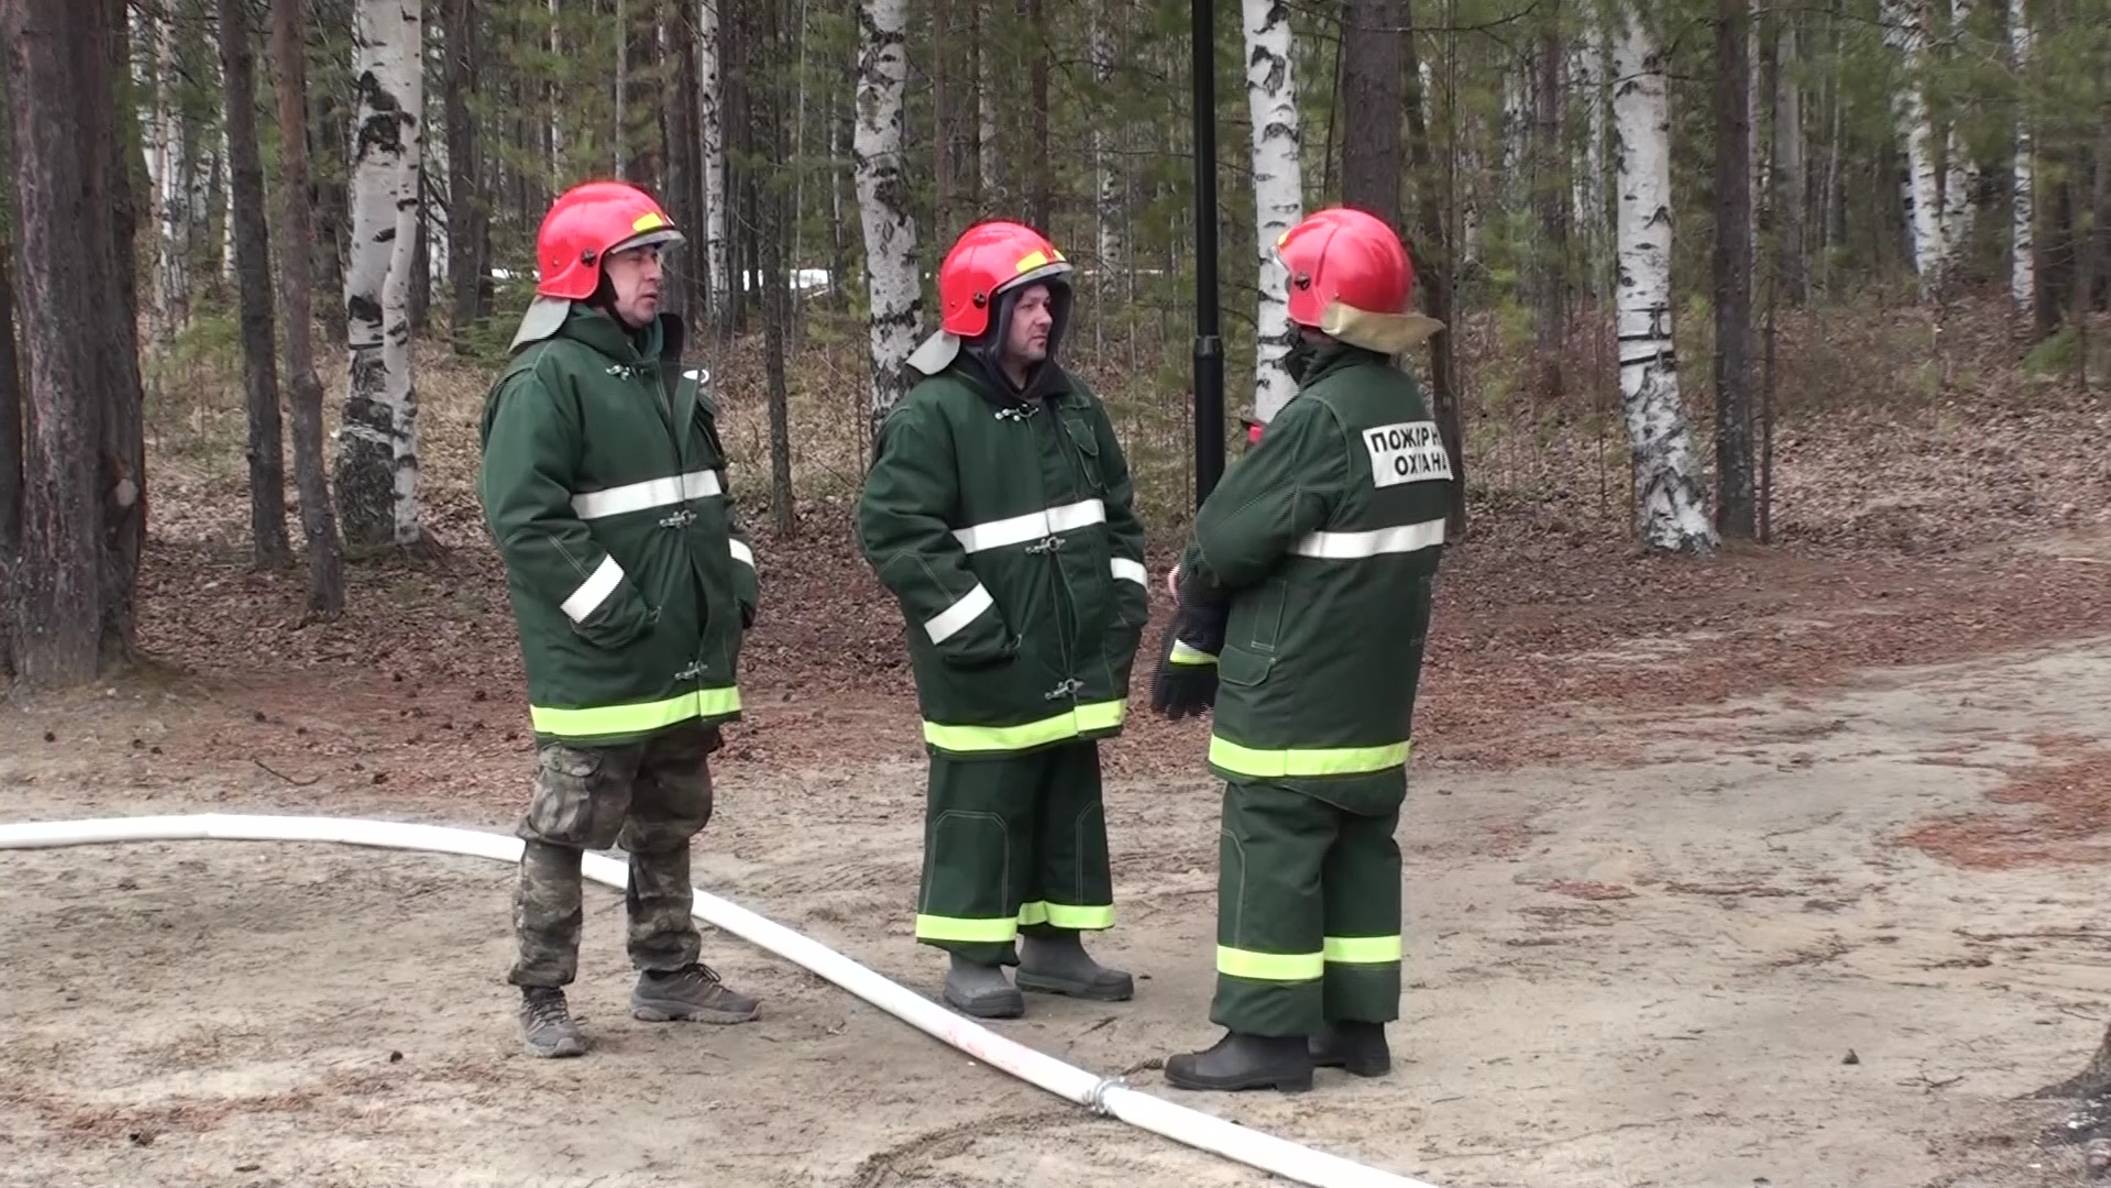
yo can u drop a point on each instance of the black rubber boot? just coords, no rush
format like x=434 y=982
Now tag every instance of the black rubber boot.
x=1056 y=963
x=1358 y=1048
x=1245 y=1062
x=982 y=990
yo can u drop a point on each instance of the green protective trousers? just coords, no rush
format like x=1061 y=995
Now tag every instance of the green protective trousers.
x=1308 y=913
x=1011 y=843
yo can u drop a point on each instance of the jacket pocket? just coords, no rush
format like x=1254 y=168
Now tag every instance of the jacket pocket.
x=1237 y=666
x=621 y=621
x=1087 y=443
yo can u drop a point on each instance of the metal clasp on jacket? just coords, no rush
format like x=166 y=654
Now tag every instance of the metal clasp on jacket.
x=695 y=670
x=1067 y=689
x=1047 y=544
x=625 y=370
x=1016 y=412
x=680 y=519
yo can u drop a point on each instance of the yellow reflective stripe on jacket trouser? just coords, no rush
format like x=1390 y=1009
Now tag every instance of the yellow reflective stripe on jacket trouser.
x=1012 y=841
x=1234 y=760
x=1308 y=913
x=1095 y=717
x=618 y=721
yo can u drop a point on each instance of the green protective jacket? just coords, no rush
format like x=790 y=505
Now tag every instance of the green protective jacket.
x=1324 y=540
x=1007 y=529
x=604 y=486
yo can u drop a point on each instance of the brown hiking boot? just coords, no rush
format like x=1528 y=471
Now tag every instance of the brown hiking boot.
x=691 y=994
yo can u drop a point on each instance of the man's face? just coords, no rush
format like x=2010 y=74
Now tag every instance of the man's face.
x=635 y=276
x=1026 y=339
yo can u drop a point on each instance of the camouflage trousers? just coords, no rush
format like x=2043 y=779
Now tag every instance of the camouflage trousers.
x=650 y=797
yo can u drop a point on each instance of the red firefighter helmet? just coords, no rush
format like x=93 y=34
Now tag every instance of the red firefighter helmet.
x=585 y=224
x=986 y=260
x=1347 y=256
x=1350 y=277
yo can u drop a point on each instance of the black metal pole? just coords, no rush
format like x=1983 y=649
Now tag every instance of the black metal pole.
x=1209 y=349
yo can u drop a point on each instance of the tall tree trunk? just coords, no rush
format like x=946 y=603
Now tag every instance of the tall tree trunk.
x=883 y=200
x=467 y=212
x=1669 y=516
x=10 y=430
x=559 y=171
x=943 y=126
x=168 y=187
x=1789 y=174
x=1905 y=31
x=267 y=459
x=686 y=153
x=1040 y=198
x=1107 y=140
x=1371 y=83
x=1278 y=185
x=1735 y=512
x=1587 y=86
x=989 y=157
x=2022 y=247
x=377 y=461
x=1550 y=195
x=82 y=507
x=710 y=88
x=977 y=141
x=770 y=51
x=1960 y=172
x=1431 y=252
x=296 y=298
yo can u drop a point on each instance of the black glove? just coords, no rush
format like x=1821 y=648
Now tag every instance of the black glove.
x=1182 y=690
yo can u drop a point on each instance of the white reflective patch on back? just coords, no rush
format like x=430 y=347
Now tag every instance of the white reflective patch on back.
x=1409 y=452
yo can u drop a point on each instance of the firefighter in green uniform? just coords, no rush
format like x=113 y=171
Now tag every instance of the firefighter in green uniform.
x=1304 y=603
x=603 y=484
x=999 y=512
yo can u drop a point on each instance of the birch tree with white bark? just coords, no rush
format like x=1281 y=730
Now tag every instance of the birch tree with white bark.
x=883 y=199
x=163 y=149
x=1669 y=515
x=1906 y=32
x=1960 y=178
x=711 y=125
x=2023 y=275
x=1107 y=210
x=1278 y=185
x=377 y=459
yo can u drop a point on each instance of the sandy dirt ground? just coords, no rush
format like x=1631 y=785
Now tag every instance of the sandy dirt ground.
x=1807 y=939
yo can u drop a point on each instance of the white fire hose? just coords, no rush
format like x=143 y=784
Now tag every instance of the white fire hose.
x=1104 y=1095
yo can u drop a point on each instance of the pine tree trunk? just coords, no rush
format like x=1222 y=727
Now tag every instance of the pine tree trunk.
x=1669 y=516
x=1040 y=197
x=467 y=212
x=989 y=157
x=10 y=460
x=82 y=504
x=1905 y=31
x=1550 y=195
x=943 y=186
x=1431 y=253
x=776 y=292
x=1271 y=97
x=1734 y=503
x=1371 y=82
x=267 y=459
x=10 y=428
x=296 y=306
x=377 y=461
x=686 y=155
x=883 y=200
x=2023 y=281
x=1790 y=176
